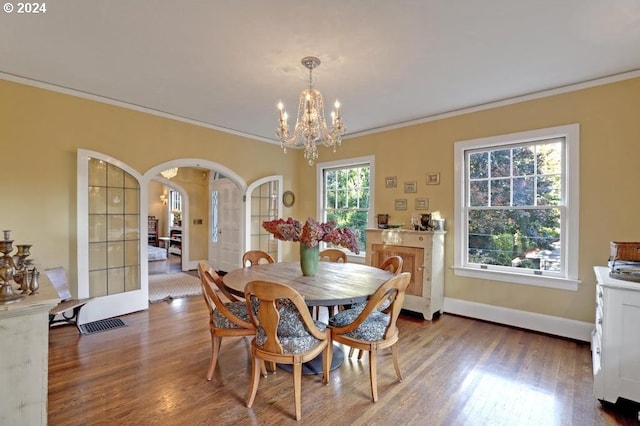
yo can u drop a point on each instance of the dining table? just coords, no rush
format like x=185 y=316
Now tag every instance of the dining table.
x=334 y=284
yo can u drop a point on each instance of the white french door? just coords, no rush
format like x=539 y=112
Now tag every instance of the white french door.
x=112 y=237
x=226 y=219
x=264 y=202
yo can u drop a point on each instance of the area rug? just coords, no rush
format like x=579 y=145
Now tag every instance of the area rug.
x=166 y=287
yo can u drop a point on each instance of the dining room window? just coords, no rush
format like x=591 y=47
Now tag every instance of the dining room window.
x=517 y=207
x=346 y=195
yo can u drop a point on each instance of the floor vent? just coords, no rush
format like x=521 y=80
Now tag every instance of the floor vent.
x=102 y=325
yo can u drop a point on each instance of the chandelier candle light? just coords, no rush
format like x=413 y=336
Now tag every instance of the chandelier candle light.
x=311 y=126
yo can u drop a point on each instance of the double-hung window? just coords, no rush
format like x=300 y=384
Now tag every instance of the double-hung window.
x=346 y=195
x=516 y=212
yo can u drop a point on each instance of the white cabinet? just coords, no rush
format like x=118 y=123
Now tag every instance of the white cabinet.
x=615 y=341
x=24 y=356
x=423 y=255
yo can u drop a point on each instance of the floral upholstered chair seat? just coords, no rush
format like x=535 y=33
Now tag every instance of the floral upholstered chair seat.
x=370 y=330
x=292 y=333
x=360 y=306
x=239 y=309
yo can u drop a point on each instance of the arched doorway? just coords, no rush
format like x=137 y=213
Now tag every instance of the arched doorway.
x=194 y=182
x=118 y=224
x=166 y=196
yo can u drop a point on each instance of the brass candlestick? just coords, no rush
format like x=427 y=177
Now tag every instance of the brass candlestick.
x=21 y=274
x=8 y=268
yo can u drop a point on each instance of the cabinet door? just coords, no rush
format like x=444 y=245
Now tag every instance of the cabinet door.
x=621 y=344
x=412 y=262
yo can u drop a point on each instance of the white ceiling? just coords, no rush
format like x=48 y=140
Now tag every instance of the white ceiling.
x=227 y=63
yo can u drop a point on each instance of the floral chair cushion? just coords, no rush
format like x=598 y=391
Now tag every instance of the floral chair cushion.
x=372 y=328
x=238 y=309
x=360 y=306
x=292 y=333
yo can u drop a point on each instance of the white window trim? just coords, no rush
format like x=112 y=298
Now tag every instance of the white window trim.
x=570 y=233
x=370 y=159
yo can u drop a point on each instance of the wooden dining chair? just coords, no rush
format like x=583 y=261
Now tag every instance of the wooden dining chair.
x=285 y=334
x=371 y=329
x=256 y=257
x=333 y=255
x=225 y=319
x=392 y=264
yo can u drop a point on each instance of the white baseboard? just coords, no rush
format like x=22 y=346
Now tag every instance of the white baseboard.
x=558 y=326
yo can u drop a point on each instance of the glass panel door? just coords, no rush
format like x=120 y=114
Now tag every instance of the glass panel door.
x=264 y=203
x=112 y=240
x=114 y=230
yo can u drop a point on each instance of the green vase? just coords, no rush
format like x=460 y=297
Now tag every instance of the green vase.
x=309 y=258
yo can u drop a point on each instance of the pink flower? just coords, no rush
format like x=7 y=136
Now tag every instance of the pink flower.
x=286 y=230
x=311 y=233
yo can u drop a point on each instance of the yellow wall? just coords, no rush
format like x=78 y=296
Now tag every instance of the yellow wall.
x=41 y=131
x=609 y=156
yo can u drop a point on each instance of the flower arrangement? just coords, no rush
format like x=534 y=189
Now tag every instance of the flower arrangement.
x=311 y=233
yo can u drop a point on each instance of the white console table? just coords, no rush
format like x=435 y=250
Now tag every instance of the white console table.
x=615 y=341
x=423 y=255
x=24 y=356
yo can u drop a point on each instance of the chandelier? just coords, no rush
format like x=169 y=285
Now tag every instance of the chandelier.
x=169 y=173
x=311 y=127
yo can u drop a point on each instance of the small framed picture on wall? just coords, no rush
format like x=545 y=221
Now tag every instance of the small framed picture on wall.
x=422 y=204
x=411 y=186
x=390 y=182
x=433 y=178
x=400 y=204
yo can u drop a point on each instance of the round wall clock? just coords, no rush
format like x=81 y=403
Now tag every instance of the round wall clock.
x=288 y=198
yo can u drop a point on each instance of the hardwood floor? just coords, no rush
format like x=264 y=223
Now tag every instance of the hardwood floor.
x=457 y=371
x=171 y=265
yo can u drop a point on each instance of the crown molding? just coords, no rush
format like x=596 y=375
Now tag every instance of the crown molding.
x=495 y=104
